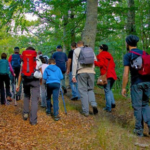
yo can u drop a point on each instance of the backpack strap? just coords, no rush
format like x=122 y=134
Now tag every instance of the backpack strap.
x=144 y=53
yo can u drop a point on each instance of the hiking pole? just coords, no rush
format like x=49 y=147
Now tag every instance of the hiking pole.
x=63 y=100
x=15 y=102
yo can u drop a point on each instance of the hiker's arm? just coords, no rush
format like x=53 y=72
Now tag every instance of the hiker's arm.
x=19 y=82
x=125 y=80
x=42 y=75
x=68 y=66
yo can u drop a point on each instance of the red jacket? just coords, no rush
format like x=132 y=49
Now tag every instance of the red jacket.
x=102 y=62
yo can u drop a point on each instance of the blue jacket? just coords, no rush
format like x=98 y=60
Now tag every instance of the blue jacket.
x=52 y=74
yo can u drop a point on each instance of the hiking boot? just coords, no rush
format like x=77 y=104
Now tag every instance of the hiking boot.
x=138 y=132
x=9 y=99
x=82 y=113
x=48 y=113
x=25 y=116
x=56 y=118
x=33 y=124
x=18 y=98
x=105 y=109
x=113 y=105
x=95 y=110
x=65 y=90
x=74 y=98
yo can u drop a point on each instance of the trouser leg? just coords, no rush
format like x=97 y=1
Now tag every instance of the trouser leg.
x=83 y=90
x=35 y=91
x=91 y=95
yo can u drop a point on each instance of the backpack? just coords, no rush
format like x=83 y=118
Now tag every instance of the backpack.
x=4 y=66
x=46 y=58
x=86 y=56
x=29 y=63
x=16 y=61
x=141 y=63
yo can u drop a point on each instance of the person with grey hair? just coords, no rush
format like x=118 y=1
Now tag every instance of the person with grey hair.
x=85 y=77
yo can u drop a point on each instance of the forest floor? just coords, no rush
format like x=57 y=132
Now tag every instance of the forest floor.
x=105 y=131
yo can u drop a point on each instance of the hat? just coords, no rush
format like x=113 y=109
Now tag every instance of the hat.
x=59 y=47
x=16 y=49
x=132 y=40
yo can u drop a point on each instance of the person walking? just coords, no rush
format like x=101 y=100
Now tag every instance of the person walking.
x=140 y=86
x=74 y=86
x=52 y=75
x=43 y=92
x=15 y=60
x=4 y=78
x=61 y=61
x=31 y=84
x=106 y=64
x=85 y=77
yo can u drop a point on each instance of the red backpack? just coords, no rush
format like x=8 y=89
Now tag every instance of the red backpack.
x=145 y=66
x=29 y=62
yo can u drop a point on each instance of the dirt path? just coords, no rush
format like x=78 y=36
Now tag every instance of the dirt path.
x=73 y=132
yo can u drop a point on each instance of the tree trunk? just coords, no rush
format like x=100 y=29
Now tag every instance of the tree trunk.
x=65 y=22
x=90 y=28
x=131 y=29
x=73 y=27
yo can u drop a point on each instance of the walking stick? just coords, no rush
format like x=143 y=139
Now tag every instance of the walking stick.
x=63 y=100
x=15 y=102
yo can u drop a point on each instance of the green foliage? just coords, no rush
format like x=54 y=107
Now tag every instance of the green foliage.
x=62 y=22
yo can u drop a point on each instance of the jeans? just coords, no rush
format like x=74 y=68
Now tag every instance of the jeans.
x=43 y=93
x=74 y=87
x=108 y=93
x=86 y=90
x=140 y=94
x=31 y=93
x=13 y=81
x=62 y=82
x=53 y=88
x=4 y=79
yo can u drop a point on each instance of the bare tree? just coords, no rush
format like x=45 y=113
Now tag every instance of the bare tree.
x=90 y=28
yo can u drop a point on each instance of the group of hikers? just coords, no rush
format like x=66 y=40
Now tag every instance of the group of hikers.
x=47 y=77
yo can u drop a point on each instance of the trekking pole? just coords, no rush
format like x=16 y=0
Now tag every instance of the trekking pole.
x=15 y=102
x=63 y=100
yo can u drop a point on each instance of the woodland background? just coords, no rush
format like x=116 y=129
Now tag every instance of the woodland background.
x=65 y=21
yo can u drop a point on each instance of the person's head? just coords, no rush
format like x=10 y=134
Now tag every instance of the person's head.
x=30 y=48
x=103 y=47
x=73 y=45
x=80 y=44
x=131 y=41
x=16 y=50
x=39 y=53
x=42 y=59
x=59 y=48
x=51 y=61
x=3 y=56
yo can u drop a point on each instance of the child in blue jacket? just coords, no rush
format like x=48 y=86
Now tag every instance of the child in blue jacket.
x=52 y=75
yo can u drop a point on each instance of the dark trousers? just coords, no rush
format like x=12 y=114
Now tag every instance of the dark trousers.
x=31 y=93
x=4 y=79
x=140 y=94
x=53 y=88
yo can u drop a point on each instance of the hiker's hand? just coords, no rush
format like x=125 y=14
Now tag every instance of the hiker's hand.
x=74 y=79
x=68 y=72
x=17 y=89
x=124 y=92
